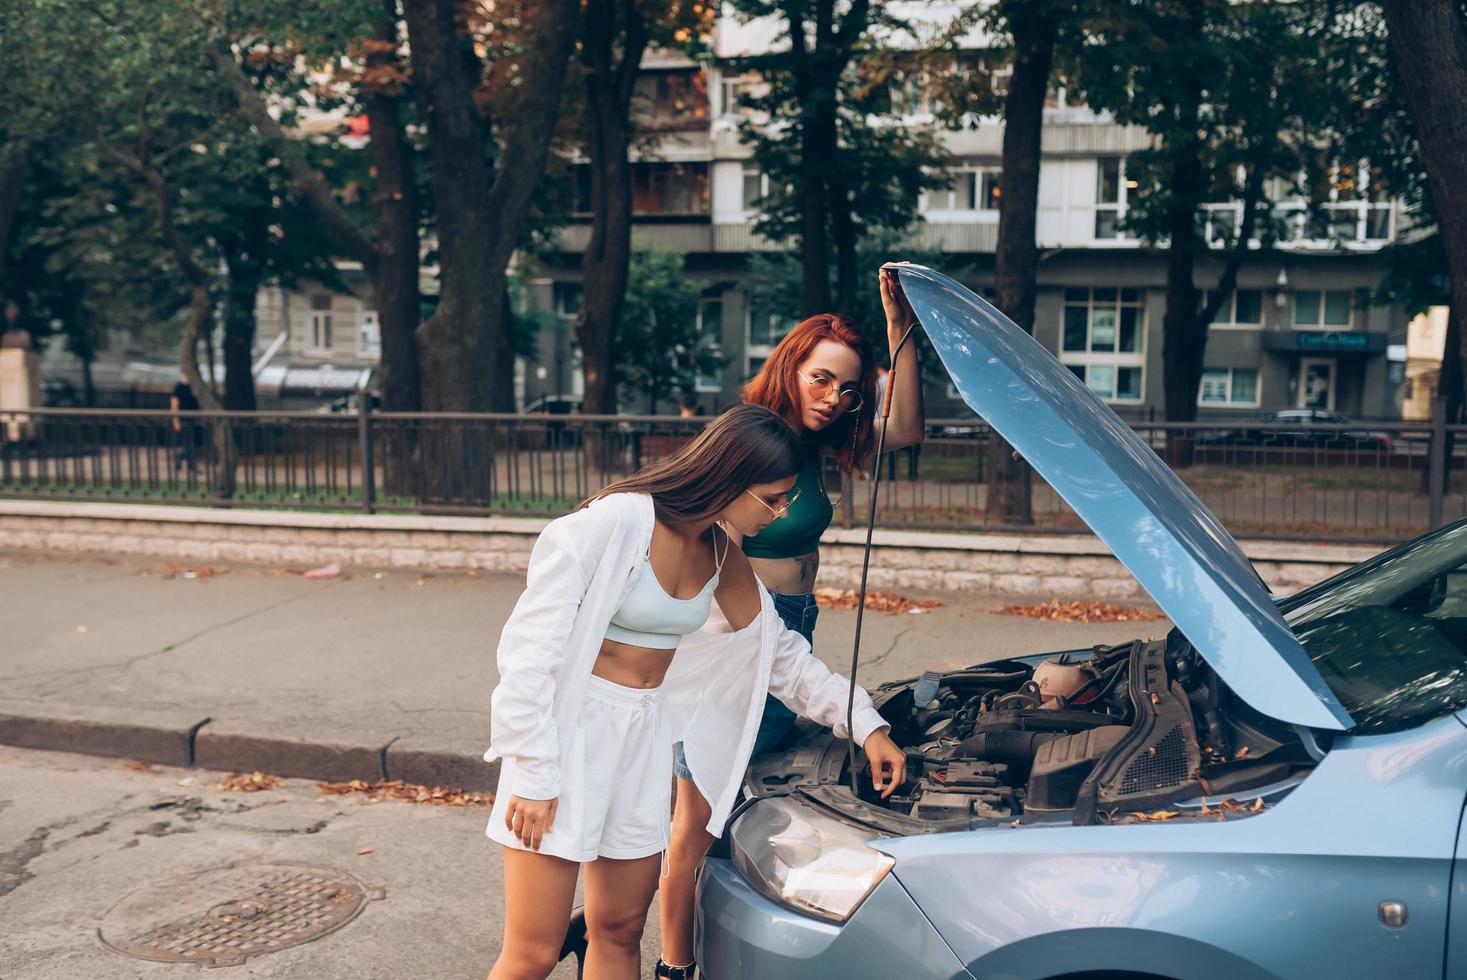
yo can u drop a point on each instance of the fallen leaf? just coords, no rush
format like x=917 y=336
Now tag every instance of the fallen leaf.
x=365 y=850
x=325 y=571
x=253 y=783
x=396 y=789
x=137 y=765
x=1079 y=611
x=81 y=629
x=1241 y=753
x=887 y=602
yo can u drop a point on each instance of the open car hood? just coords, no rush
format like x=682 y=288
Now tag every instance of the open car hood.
x=1150 y=520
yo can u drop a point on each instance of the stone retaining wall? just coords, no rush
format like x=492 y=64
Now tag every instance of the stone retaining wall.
x=1067 y=566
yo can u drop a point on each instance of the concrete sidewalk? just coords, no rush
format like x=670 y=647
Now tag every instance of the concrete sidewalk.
x=377 y=674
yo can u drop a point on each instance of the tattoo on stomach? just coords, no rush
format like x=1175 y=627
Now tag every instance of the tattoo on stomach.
x=808 y=565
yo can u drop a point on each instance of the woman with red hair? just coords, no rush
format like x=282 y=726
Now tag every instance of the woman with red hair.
x=821 y=379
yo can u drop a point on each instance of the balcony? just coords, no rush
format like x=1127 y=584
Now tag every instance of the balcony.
x=646 y=237
x=1357 y=225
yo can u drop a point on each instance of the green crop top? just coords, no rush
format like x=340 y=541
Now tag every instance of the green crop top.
x=798 y=532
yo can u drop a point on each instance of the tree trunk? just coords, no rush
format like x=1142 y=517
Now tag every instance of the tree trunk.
x=817 y=147
x=244 y=259
x=89 y=384
x=14 y=163
x=1016 y=260
x=843 y=228
x=1183 y=332
x=464 y=347
x=395 y=285
x=396 y=207
x=1428 y=42
x=606 y=263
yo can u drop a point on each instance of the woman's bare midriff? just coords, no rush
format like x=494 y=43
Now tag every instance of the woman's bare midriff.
x=631 y=666
x=789 y=576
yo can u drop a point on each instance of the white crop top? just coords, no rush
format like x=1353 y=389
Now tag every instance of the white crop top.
x=651 y=618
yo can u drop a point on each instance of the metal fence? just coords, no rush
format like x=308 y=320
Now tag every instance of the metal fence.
x=1375 y=481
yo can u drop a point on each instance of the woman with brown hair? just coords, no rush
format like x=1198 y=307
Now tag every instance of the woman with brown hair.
x=821 y=379
x=602 y=666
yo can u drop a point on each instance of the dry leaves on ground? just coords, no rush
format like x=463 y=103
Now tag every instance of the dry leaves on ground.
x=179 y=570
x=887 y=602
x=396 y=789
x=1081 y=612
x=252 y=782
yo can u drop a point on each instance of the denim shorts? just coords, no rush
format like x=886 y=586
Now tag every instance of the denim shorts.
x=798 y=612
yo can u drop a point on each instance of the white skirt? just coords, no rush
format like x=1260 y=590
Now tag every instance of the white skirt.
x=615 y=780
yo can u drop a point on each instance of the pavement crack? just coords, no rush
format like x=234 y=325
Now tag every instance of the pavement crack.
x=890 y=649
x=169 y=648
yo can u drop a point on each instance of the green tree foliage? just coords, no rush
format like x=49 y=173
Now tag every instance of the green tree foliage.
x=657 y=343
x=153 y=204
x=829 y=134
x=1234 y=96
x=615 y=35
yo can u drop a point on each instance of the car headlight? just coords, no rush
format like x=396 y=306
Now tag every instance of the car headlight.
x=806 y=860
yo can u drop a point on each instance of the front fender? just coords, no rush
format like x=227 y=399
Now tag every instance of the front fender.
x=1141 y=951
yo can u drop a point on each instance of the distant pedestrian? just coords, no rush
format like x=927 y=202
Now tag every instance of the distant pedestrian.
x=188 y=433
x=688 y=407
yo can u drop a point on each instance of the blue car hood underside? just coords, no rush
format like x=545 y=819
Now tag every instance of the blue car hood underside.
x=1154 y=525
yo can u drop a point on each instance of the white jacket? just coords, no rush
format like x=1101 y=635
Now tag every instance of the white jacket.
x=580 y=571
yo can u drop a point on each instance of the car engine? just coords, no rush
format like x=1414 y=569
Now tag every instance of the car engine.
x=1089 y=735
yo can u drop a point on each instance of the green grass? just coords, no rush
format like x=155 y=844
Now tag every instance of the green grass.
x=199 y=495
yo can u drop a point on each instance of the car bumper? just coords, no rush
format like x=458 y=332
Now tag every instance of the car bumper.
x=740 y=933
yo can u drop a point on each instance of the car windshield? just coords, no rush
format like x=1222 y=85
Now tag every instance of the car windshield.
x=1390 y=636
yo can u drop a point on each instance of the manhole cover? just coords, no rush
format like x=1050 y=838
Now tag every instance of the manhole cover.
x=223 y=916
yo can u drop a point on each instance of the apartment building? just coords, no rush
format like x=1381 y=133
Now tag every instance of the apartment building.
x=1299 y=331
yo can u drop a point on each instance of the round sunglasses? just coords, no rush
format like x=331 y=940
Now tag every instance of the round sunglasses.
x=847 y=398
x=783 y=508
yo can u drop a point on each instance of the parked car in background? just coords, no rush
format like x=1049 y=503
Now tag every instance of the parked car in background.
x=554 y=405
x=1295 y=427
x=1270 y=790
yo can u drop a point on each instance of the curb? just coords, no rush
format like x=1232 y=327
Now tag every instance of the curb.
x=183 y=739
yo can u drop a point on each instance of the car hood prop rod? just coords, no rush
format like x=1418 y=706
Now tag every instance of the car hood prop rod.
x=866 y=554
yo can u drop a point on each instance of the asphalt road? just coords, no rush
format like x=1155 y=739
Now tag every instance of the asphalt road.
x=91 y=850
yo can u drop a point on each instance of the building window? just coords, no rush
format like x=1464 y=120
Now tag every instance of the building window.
x=321 y=322
x=1103 y=341
x=1228 y=386
x=1240 y=308
x=764 y=327
x=970 y=189
x=369 y=335
x=671 y=99
x=658 y=189
x=733 y=89
x=1112 y=190
x=670 y=188
x=1325 y=308
x=989 y=190
x=710 y=326
x=756 y=188
x=568 y=299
